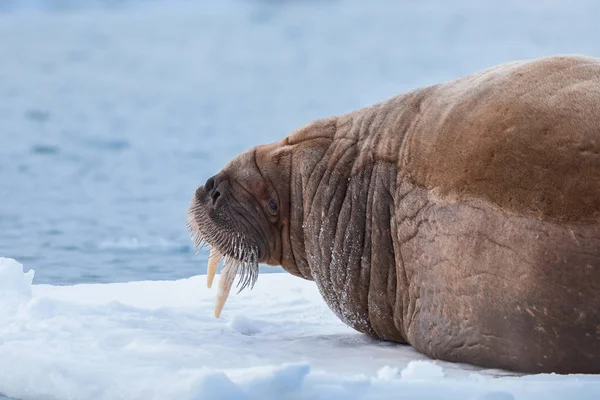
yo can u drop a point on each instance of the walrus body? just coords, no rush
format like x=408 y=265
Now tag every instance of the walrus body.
x=461 y=218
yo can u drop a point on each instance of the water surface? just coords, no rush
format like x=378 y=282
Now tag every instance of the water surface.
x=112 y=112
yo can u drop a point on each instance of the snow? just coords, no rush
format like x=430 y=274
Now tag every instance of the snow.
x=159 y=340
x=422 y=370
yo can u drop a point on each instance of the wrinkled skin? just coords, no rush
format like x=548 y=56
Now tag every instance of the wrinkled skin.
x=461 y=218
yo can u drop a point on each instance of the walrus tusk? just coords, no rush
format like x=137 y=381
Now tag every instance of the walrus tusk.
x=225 y=282
x=214 y=259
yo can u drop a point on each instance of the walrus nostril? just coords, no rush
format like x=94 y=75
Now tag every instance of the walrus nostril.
x=210 y=184
x=215 y=195
x=211 y=187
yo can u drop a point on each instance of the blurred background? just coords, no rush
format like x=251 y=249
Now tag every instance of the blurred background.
x=112 y=112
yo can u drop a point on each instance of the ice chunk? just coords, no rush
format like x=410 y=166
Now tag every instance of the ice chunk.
x=13 y=281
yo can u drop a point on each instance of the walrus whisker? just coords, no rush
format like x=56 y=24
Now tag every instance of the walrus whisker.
x=244 y=275
x=232 y=247
x=249 y=271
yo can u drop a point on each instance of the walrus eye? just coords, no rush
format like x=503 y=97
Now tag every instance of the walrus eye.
x=272 y=205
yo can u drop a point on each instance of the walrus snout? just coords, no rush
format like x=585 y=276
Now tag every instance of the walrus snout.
x=213 y=220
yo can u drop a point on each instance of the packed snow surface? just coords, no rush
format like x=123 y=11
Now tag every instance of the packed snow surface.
x=159 y=340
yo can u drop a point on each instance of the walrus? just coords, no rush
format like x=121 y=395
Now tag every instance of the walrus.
x=461 y=218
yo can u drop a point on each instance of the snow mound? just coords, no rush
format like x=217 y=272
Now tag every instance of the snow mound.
x=217 y=386
x=159 y=340
x=496 y=395
x=244 y=325
x=387 y=373
x=272 y=382
x=422 y=370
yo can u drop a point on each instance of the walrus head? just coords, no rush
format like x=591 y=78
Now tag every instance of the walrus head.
x=241 y=213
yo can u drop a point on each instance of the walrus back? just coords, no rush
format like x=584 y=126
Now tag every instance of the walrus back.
x=523 y=136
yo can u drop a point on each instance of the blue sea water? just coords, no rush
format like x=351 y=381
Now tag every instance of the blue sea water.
x=112 y=112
